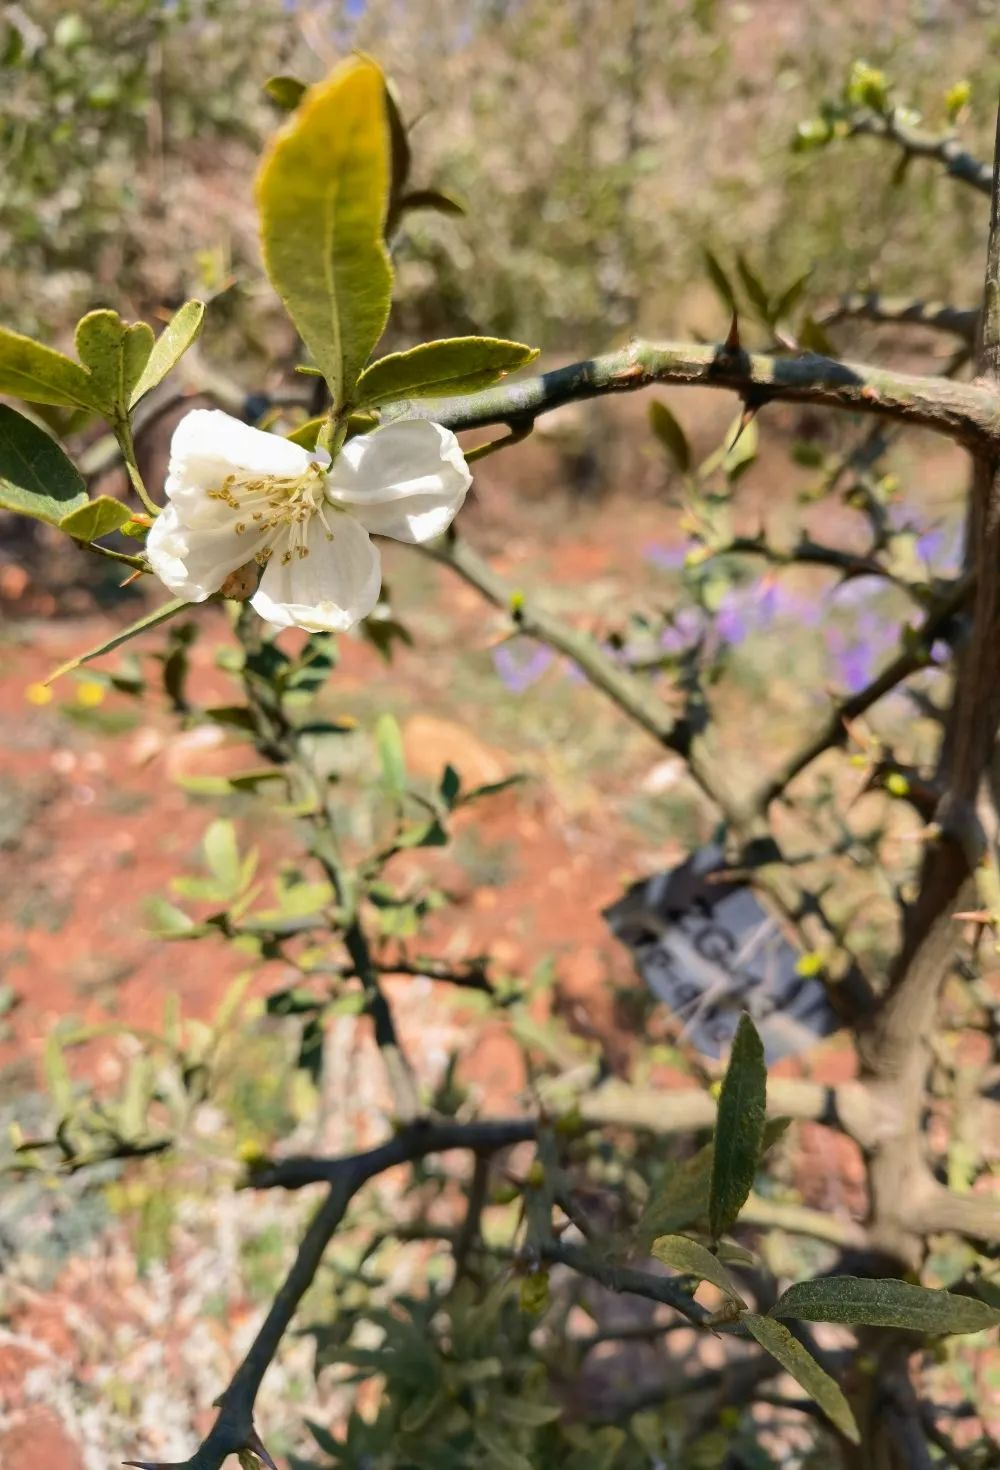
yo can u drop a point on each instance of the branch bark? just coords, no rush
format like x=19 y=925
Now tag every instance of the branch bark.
x=966 y=412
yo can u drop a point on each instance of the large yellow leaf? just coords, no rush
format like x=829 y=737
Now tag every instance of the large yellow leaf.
x=322 y=193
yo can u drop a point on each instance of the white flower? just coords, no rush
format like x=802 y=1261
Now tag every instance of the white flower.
x=236 y=494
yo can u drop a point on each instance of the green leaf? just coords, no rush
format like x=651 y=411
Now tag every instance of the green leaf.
x=169 y=347
x=719 y=279
x=670 y=434
x=776 y=1339
x=692 y=1259
x=678 y=1199
x=57 y=1076
x=754 y=288
x=437 y=369
x=864 y=1303
x=36 y=477
x=322 y=192
x=40 y=375
x=451 y=784
x=389 y=742
x=739 y=1131
x=98 y=517
x=150 y=620
x=222 y=854
x=115 y=355
x=286 y=91
x=791 y=296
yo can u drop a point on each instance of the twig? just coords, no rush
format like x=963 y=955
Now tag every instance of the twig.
x=233 y=1430
x=942 y=148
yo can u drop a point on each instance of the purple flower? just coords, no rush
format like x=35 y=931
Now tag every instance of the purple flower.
x=667 y=558
x=685 y=628
x=521 y=664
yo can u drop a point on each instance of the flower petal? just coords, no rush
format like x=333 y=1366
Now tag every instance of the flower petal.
x=331 y=588
x=194 y=563
x=208 y=446
x=406 y=480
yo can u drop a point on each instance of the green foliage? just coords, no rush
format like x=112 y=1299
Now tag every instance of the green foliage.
x=115 y=355
x=36 y=478
x=322 y=193
x=692 y=1259
x=862 y=1302
x=169 y=347
x=96 y=518
x=436 y=369
x=38 y=374
x=776 y=1339
x=739 y=1132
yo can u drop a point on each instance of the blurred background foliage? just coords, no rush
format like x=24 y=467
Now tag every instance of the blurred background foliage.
x=596 y=148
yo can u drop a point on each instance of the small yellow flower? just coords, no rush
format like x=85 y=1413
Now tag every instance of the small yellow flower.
x=90 y=694
x=38 y=694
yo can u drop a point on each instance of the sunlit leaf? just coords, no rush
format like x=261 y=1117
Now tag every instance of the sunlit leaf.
x=36 y=373
x=115 y=355
x=322 y=193
x=436 y=369
x=97 y=518
x=169 y=347
x=142 y=625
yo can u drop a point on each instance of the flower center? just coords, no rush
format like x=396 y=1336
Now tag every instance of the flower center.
x=276 y=504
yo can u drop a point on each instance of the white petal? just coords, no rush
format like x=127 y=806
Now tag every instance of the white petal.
x=194 y=563
x=329 y=590
x=406 y=480
x=208 y=446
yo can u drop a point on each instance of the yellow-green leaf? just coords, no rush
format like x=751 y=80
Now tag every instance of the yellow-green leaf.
x=286 y=91
x=36 y=373
x=151 y=620
x=687 y=1256
x=98 y=517
x=36 y=477
x=436 y=369
x=322 y=193
x=169 y=347
x=670 y=434
x=115 y=355
x=776 y=1339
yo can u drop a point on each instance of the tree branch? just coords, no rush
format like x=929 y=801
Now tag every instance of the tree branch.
x=942 y=148
x=966 y=412
x=233 y=1430
x=833 y=732
x=872 y=306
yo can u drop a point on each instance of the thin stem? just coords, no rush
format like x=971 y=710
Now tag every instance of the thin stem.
x=123 y=433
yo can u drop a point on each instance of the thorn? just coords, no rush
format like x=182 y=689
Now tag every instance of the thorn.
x=256 y=1447
x=132 y=577
x=732 y=342
x=976 y=916
x=746 y=418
